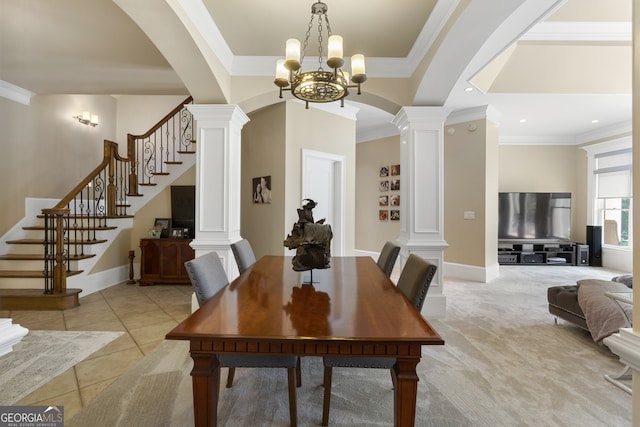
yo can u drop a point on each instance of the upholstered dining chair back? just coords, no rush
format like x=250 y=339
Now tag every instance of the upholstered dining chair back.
x=207 y=276
x=243 y=254
x=414 y=282
x=387 y=258
x=415 y=279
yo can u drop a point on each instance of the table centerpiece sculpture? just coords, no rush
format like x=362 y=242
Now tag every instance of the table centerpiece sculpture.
x=310 y=239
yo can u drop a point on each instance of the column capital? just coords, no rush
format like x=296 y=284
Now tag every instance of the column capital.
x=218 y=113
x=425 y=116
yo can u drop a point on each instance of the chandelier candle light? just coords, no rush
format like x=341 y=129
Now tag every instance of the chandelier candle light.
x=319 y=85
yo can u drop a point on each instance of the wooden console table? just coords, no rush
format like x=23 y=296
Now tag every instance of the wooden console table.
x=162 y=261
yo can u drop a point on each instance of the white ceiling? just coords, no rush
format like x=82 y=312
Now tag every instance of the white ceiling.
x=560 y=75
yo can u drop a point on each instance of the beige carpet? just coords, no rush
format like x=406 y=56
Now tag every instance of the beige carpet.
x=504 y=363
x=43 y=355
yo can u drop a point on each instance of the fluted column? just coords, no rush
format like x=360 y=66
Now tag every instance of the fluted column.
x=218 y=155
x=422 y=193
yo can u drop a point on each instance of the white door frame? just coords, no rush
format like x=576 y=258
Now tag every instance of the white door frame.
x=339 y=192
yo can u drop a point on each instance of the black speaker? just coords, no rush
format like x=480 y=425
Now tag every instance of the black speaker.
x=582 y=254
x=594 y=240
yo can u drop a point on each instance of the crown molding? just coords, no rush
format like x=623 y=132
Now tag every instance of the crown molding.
x=474 y=113
x=536 y=140
x=15 y=93
x=621 y=128
x=371 y=134
x=580 y=31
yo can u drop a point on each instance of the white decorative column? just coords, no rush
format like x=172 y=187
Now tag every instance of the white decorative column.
x=421 y=193
x=218 y=180
x=10 y=335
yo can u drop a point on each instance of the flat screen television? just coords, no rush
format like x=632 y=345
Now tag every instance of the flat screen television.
x=536 y=216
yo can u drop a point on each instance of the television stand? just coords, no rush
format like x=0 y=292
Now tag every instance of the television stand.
x=537 y=253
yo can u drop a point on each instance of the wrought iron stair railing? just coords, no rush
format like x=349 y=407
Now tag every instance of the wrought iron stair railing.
x=74 y=222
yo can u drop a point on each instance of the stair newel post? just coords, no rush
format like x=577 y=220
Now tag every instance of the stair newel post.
x=133 y=163
x=111 y=187
x=56 y=240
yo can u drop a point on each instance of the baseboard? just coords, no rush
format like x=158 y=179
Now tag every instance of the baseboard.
x=472 y=272
x=99 y=281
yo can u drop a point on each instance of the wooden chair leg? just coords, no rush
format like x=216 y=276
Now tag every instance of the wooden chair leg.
x=293 y=406
x=327 y=395
x=298 y=374
x=230 y=375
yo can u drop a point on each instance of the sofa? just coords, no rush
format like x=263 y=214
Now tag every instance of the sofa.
x=586 y=305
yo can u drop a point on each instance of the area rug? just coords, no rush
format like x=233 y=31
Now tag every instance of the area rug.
x=43 y=355
x=158 y=392
x=504 y=363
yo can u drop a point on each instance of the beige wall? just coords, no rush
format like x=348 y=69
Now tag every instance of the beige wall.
x=45 y=150
x=272 y=144
x=371 y=234
x=469 y=185
x=263 y=154
x=320 y=131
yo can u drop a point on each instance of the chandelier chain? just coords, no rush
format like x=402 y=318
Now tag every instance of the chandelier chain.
x=320 y=43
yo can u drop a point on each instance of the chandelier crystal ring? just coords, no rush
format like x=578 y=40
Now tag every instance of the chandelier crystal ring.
x=320 y=85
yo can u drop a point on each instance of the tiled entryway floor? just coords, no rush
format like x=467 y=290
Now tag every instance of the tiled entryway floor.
x=144 y=313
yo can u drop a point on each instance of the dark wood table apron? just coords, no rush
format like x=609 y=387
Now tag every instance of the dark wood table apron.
x=352 y=309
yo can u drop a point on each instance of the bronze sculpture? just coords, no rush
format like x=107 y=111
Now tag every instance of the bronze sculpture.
x=311 y=240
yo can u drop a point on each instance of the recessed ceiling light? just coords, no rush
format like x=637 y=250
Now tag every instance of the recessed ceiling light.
x=523 y=120
x=468 y=89
x=595 y=121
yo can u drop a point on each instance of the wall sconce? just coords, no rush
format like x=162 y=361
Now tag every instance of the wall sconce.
x=87 y=118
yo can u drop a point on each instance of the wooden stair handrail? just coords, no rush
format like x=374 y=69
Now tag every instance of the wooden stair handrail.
x=111 y=172
x=162 y=121
x=110 y=152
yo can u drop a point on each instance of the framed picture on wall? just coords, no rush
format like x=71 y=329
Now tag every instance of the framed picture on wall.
x=395 y=215
x=261 y=189
x=383 y=215
x=395 y=170
x=383 y=201
x=384 y=171
x=165 y=223
x=395 y=200
x=384 y=185
x=395 y=184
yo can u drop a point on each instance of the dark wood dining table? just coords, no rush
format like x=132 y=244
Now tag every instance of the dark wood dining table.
x=350 y=309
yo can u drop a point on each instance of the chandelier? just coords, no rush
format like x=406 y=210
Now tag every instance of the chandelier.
x=320 y=85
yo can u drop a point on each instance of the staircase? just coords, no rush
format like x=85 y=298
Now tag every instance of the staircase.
x=59 y=242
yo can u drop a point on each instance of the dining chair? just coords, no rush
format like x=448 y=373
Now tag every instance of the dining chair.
x=414 y=282
x=387 y=258
x=243 y=253
x=208 y=277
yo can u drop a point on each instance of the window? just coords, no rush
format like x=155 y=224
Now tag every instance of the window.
x=612 y=203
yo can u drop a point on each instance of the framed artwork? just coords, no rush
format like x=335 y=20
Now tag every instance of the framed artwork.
x=383 y=215
x=395 y=200
x=155 y=232
x=384 y=185
x=384 y=171
x=395 y=184
x=177 y=233
x=395 y=215
x=261 y=188
x=395 y=170
x=383 y=201
x=165 y=224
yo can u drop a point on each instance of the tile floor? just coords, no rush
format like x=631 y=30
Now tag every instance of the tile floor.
x=144 y=313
